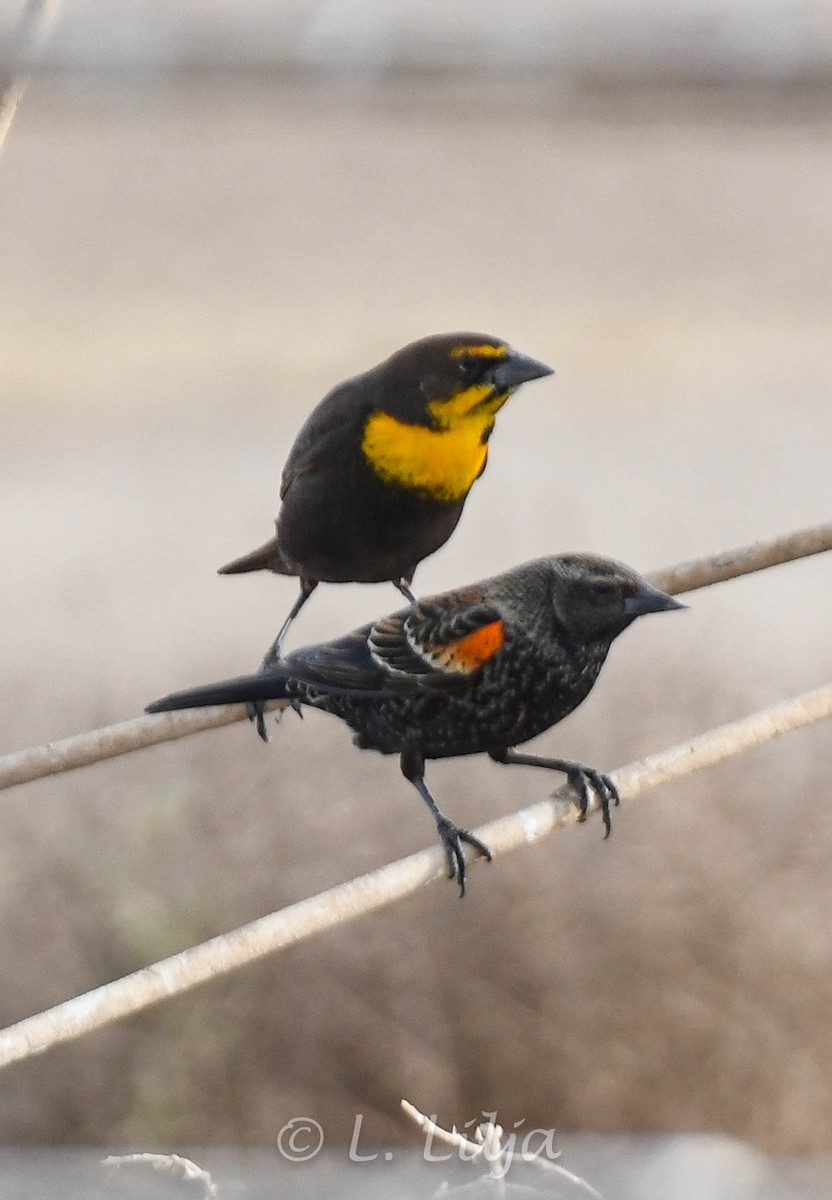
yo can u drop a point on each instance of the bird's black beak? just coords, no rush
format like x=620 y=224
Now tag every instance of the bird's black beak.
x=518 y=368
x=649 y=600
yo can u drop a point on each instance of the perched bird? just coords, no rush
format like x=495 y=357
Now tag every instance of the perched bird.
x=478 y=670
x=379 y=473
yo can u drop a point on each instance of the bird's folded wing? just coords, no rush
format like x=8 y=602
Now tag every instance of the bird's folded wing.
x=426 y=646
x=328 y=435
x=337 y=667
x=435 y=643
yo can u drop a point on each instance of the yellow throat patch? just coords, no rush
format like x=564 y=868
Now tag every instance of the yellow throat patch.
x=443 y=462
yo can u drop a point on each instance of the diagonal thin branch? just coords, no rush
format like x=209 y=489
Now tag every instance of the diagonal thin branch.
x=347 y=901
x=717 y=568
x=30 y=35
x=53 y=758
x=23 y=766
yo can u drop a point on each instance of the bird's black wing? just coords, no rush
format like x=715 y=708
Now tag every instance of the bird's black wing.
x=437 y=642
x=433 y=643
x=327 y=433
x=342 y=665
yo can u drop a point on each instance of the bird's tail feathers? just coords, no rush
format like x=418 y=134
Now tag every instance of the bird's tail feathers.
x=265 y=558
x=242 y=690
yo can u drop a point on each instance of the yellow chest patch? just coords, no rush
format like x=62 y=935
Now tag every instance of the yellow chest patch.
x=443 y=463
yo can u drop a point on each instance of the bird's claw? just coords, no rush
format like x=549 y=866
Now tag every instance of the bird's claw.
x=581 y=779
x=256 y=713
x=452 y=837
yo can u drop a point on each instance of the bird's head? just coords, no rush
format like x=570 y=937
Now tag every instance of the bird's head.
x=446 y=379
x=596 y=598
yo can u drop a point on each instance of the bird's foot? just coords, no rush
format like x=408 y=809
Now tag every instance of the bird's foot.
x=256 y=713
x=581 y=779
x=452 y=838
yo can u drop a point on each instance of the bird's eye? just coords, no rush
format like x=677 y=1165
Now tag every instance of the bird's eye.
x=469 y=365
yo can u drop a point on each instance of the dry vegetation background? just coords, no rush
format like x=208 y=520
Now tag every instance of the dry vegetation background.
x=185 y=270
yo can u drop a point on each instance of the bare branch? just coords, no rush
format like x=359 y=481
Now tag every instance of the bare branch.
x=702 y=572
x=229 y=951
x=31 y=33
x=450 y=1137
x=80 y=751
x=86 y=748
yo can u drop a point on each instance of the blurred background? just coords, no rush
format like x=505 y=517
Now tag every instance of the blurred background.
x=209 y=215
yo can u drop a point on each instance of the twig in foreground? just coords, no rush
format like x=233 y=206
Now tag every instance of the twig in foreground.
x=225 y=953
x=491 y=1145
x=23 y=766
x=168 y=1164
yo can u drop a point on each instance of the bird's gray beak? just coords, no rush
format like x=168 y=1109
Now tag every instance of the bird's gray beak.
x=649 y=600
x=518 y=368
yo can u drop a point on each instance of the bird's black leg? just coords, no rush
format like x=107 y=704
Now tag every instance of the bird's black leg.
x=255 y=709
x=413 y=768
x=580 y=778
x=307 y=587
x=403 y=585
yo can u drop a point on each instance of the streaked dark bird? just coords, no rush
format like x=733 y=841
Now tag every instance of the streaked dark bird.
x=478 y=670
x=378 y=476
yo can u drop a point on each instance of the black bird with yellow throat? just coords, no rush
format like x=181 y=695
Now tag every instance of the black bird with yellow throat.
x=379 y=473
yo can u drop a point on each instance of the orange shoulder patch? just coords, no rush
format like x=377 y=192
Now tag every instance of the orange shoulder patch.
x=471 y=652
